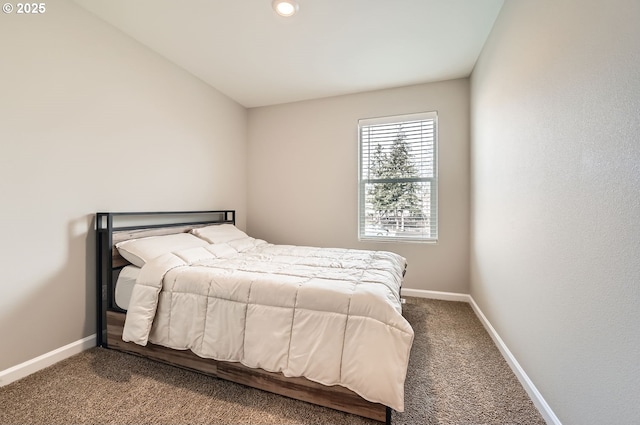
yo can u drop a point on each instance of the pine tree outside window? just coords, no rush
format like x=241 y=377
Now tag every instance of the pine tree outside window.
x=398 y=177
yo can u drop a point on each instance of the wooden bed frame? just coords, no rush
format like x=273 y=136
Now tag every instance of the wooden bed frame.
x=110 y=320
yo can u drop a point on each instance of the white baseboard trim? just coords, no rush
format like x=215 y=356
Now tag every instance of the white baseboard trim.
x=537 y=399
x=435 y=295
x=14 y=373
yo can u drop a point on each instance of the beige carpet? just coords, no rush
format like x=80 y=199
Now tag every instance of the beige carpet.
x=456 y=376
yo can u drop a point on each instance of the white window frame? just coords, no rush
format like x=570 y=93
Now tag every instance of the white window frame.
x=364 y=234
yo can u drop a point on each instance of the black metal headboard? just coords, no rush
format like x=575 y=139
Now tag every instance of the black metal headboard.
x=114 y=227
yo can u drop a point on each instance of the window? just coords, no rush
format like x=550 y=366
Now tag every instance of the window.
x=398 y=178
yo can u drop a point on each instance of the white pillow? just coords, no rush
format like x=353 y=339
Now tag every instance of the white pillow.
x=140 y=251
x=219 y=233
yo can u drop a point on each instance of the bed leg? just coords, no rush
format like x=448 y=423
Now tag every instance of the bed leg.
x=388 y=421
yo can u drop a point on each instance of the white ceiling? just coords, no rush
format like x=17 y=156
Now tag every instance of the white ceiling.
x=330 y=47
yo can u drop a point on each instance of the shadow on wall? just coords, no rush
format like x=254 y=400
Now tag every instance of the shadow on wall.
x=90 y=277
x=45 y=314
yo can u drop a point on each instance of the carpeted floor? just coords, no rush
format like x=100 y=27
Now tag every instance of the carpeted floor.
x=456 y=376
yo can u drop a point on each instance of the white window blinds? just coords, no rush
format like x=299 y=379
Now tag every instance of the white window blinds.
x=398 y=178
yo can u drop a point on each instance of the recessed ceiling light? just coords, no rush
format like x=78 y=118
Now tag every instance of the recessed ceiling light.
x=285 y=7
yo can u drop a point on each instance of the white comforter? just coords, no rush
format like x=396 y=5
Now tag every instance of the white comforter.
x=330 y=315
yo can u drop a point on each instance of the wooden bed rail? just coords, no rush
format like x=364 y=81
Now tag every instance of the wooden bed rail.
x=335 y=397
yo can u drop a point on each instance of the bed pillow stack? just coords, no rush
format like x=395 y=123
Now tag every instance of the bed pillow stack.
x=140 y=251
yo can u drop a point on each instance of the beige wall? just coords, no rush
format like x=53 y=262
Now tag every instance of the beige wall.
x=303 y=176
x=555 y=251
x=90 y=120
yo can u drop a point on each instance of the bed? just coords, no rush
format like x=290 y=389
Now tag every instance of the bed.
x=321 y=325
